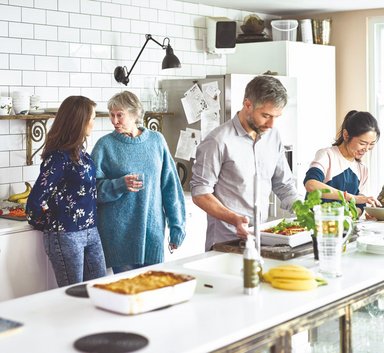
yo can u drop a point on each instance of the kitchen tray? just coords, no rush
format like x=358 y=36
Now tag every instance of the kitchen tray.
x=277 y=252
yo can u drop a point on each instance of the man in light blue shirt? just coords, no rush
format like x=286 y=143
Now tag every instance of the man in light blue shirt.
x=230 y=158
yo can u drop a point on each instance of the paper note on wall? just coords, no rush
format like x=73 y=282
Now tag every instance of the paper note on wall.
x=195 y=136
x=211 y=95
x=187 y=143
x=193 y=104
x=210 y=119
x=184 y=146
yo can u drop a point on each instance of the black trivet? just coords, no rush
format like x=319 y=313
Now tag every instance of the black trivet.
x=79 y=291
x=111 y=342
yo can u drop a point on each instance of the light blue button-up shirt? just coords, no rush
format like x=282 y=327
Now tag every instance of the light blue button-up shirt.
x=227 y=161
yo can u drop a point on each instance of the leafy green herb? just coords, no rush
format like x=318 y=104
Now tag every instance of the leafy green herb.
x=350 y=208
x=304 y=209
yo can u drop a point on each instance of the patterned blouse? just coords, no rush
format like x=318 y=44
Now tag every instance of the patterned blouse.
x=64 y=195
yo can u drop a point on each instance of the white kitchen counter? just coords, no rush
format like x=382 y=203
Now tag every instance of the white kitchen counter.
x=53 y=321
x=24 y=266
x=9 y=226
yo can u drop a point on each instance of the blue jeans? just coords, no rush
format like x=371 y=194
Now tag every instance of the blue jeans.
x=75 y=256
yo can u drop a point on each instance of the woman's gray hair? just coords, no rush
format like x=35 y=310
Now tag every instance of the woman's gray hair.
x=127 y=100
x=266 y=89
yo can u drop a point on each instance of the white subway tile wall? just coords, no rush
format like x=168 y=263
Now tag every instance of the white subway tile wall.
x=57 y=48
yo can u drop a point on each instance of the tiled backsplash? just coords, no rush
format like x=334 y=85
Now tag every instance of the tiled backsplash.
x=57 y=48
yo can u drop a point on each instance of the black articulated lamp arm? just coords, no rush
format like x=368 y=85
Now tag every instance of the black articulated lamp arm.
x=148 y=38
x=122 y=75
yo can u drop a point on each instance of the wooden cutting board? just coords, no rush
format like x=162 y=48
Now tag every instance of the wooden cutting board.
x=277 y=252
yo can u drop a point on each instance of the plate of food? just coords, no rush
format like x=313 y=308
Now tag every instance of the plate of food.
x=12 y=210
x=147 y=291
x=284 y=232
x=376 y=212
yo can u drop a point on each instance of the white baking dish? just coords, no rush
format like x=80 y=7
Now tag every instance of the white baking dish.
x=291 y=240
x=130 y=304
x=278 y=239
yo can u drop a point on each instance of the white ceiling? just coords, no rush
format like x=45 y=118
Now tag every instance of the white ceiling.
x=294 y=7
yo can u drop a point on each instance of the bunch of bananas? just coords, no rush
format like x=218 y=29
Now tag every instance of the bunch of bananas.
x=292 y=277
x=23 y=196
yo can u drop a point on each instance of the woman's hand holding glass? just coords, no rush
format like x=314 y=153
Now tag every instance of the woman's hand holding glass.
x=134 y=182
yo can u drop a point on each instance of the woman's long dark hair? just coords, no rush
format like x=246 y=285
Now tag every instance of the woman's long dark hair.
x=68 y=131
x=356 y=124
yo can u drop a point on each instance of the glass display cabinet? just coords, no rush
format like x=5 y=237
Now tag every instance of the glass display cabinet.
x=352 y=324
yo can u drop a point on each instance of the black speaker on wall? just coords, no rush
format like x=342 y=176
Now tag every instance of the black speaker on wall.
x=226 y=34
x=221 y=35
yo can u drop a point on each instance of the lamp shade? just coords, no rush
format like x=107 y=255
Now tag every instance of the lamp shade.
x=170 y=60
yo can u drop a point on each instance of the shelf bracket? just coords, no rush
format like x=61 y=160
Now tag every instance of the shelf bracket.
x=154 y=120
x=36 y=125
x=36 y=132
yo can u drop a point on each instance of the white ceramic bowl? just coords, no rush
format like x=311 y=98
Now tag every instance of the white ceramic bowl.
x=377 y=212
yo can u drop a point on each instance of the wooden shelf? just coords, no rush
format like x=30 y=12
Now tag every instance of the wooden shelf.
x=44 y=116
x=36 y=129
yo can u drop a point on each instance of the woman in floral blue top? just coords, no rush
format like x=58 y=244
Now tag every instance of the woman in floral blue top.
x=62 y=203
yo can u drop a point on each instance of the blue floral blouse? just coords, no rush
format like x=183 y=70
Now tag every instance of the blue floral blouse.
x=63 y=197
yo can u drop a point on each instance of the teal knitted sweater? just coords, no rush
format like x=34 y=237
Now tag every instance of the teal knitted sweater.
x=132 y=224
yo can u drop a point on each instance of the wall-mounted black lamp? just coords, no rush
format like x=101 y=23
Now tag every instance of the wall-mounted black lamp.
x=170 y=60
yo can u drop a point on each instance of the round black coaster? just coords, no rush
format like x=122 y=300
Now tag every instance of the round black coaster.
x=79 y=291
x=111 y=342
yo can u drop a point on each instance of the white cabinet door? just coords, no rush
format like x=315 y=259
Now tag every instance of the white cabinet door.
x=196 y=226
x=24 y=266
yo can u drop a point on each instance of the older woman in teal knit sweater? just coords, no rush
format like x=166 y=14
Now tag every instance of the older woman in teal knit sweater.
x=131 y=219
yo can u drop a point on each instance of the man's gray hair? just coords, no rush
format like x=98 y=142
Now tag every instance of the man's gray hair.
x=266 y=89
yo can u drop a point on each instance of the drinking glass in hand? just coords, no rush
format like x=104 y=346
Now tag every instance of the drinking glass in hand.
x=137 y=182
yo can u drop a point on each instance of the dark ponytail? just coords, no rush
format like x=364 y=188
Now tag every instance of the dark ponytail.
x=356 y=124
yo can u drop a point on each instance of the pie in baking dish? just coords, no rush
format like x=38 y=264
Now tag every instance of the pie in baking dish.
x=146 y=281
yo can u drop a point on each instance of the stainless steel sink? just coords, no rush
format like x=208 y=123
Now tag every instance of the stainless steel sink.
x=216 y=273
x=225 y=263
x=212 y=284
